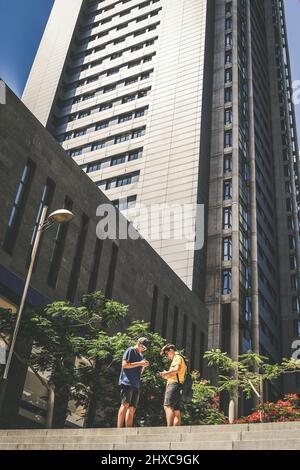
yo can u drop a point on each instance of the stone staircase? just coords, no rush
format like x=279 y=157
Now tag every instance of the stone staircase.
x=275 y=436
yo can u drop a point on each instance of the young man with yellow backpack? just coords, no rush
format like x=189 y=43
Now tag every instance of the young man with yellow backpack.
x=179 y=385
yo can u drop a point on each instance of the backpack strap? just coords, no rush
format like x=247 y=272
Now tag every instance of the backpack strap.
x=187 y=368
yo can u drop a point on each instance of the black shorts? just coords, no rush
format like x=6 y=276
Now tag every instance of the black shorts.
x=130 y=395
x=173 y=396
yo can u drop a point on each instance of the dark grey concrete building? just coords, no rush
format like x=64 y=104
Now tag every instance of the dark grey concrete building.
x=35 y=171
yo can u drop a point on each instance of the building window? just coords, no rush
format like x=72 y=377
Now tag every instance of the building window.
x=98 y=146
x=228 y=39
x=118 y=160
x=137 y=48
x=104 y=107
x=112 y=72
x=134 y=63
x=228 y=7
x=227 y=193
x=116 y=55
x=228 y=23
x=227 y=218
x=129 y=98
x=292 y=244
x=294 y=283
x=228 y=116
x=184 y=331
x=122 y=138
x=102 y=125
x=75 y=153
x=109 y=88
x=165 y=317
x=59 y=246
x=17 y=211
x=94 y=167
x=228 y=95
x=228 y=139
x=295 y=305
x=139 y=113
x=227 y=163
x=137 y=133
x=46 y=198
x=77 y=260
x=79 y=133
x=175 y=324
x=112 y=271
x=293 y=262
x=228 y=57
x=135 y=155
x=130 y=81
x=227 y=282
x=125 y=180
x=289 y=205
x=145 y=75
x=126 y=203
x=96 y=264
x=290 y=221
x=227 y=249
x=125 y=118
x=228 y=75
x=154 y=308
x=193 y=346
x=118 y=182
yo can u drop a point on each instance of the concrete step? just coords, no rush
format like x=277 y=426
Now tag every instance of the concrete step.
x=280 y=434
x=269 y=436
x=276 y=444
x=274 y=426
x=118 y=447
x=172 y=437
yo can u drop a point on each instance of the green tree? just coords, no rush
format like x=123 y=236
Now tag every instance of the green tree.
x=60 y=333
x=247 y=375
x=74 y=347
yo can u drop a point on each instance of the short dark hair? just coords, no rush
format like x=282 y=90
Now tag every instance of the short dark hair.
x=168 y=348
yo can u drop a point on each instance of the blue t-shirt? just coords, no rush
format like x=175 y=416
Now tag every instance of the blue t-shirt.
x=131 y=377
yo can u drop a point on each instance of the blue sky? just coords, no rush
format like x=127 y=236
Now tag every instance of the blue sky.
x=18 y=44
x=22 y=23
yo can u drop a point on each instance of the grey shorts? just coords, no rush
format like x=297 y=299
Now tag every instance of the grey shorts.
x=173 y=396
x=130 y=395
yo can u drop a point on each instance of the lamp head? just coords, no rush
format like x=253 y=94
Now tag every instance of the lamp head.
x=60 y=216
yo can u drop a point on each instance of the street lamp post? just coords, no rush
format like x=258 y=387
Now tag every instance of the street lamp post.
x=59 y=216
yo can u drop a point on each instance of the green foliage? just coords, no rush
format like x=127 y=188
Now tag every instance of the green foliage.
x=74 y=346
x=62 y=332
x=287 y=409
x=204 y=408
x=249 y=371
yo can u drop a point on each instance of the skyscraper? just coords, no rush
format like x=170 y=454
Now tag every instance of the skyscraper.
x=252 y=288
x=120 y=85
x=189 y=101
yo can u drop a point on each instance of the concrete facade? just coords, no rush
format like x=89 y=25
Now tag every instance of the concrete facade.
x=74 y=261
x=252 y=289
x=159 y=46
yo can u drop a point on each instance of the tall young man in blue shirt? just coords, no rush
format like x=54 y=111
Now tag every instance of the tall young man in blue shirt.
x=133 y=366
